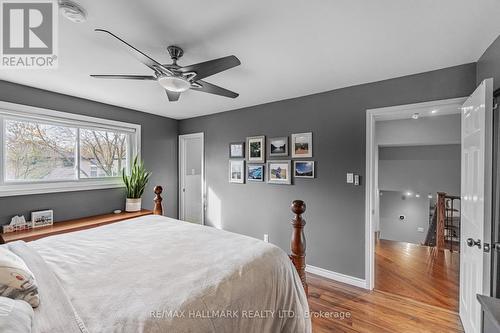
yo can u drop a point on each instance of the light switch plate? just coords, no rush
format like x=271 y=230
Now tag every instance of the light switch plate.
x=356 y=180
x=350 y=178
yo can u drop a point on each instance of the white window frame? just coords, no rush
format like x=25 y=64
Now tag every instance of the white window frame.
x=24 y=112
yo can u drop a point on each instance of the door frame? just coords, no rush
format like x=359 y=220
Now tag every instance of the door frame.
x=371 y=180
x=181 y=155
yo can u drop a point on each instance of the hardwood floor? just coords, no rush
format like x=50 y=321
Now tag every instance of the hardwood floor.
x=418 y=272
x=373 y=311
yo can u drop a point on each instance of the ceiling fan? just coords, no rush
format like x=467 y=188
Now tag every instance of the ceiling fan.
x=176 y=79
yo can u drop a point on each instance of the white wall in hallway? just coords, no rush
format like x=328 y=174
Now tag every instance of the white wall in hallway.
x=392 y=205
x=416 y=170
x=422 y=169
x=437 y=130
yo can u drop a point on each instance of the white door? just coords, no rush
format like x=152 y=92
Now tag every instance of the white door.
x=476 y=203
x=191 y=178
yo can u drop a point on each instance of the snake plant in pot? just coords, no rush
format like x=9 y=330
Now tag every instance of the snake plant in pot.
x=135 y=183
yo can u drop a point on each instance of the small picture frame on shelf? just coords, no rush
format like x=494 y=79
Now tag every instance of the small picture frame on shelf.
x=302 y=145
x=256 y=149
x=42 y=218
x=237 y=150
x=237 y=171
x=278 y=146
x=303 y=169
x=279 y=172
x=255 y=172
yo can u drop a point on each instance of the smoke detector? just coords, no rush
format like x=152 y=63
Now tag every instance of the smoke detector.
x=72 y=11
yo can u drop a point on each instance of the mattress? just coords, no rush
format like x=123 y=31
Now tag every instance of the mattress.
x=156 y=274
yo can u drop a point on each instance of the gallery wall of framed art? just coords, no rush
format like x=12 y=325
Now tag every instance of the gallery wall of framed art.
x=278 y=172
x=278 y=146
x=302 y=145
x=255 y=172
x=237 y=171
x=237 y=150
x=256 y=149
x=248 y=164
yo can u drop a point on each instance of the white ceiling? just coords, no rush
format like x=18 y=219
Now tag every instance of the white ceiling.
x=288 y=48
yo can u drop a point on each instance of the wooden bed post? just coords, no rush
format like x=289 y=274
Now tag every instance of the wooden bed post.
x=298 y=244
x=158 y=210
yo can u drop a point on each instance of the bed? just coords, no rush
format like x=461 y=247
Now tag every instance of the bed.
x=157 y=274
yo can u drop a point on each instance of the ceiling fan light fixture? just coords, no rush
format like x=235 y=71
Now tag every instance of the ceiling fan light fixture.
x=174 y=83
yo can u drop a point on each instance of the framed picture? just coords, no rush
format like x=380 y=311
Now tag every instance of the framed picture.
x=256 y=149
x=302 y=145
x=278 y=146
x=303 y=169
x=237 y=150
x=42 y=218
x=237 y=171
x=255 y=172
x=278 y=172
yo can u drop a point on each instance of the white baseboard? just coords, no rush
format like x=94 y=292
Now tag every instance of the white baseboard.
x=354 y=281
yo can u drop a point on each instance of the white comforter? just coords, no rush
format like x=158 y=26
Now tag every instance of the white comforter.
x=155 y=274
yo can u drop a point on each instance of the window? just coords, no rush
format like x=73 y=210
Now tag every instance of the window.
x=102 y=153
x=49 y=151
x=38 y=152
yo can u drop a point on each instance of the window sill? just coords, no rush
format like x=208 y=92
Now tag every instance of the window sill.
x=43 y=188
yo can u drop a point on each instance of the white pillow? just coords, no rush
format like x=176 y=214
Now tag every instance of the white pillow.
x=15 y=316
x=16 y=280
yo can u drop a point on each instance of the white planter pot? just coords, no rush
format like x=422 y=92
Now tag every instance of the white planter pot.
x=133 y=205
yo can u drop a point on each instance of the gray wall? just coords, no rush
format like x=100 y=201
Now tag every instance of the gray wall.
x=424 y=131
x=489 y=64
x=416 y=212
x=415 y=169
x=335 y=210
x=159 y=151
x=422 y=169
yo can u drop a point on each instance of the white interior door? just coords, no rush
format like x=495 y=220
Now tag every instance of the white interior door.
x=191 y=178
x=476 y=203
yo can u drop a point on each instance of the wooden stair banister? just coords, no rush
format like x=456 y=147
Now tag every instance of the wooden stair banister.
x=452 y=222
x=441 y=215
x=430 y=239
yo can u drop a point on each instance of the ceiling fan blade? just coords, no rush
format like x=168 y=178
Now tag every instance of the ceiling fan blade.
x=172 y=95
x=211 y=67
x=145 y=59
x=213 y=89
x=127 y=77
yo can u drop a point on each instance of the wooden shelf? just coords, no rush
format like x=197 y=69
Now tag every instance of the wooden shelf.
x=69 y=226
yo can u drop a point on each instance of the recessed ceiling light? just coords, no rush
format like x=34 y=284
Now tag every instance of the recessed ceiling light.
x=417 y=195
x=72 y=11
x=429 y=196
x=415 y=116
x=434 y=111
x=408 y=194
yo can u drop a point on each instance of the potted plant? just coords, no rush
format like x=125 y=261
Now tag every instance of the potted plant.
x=135 y=184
